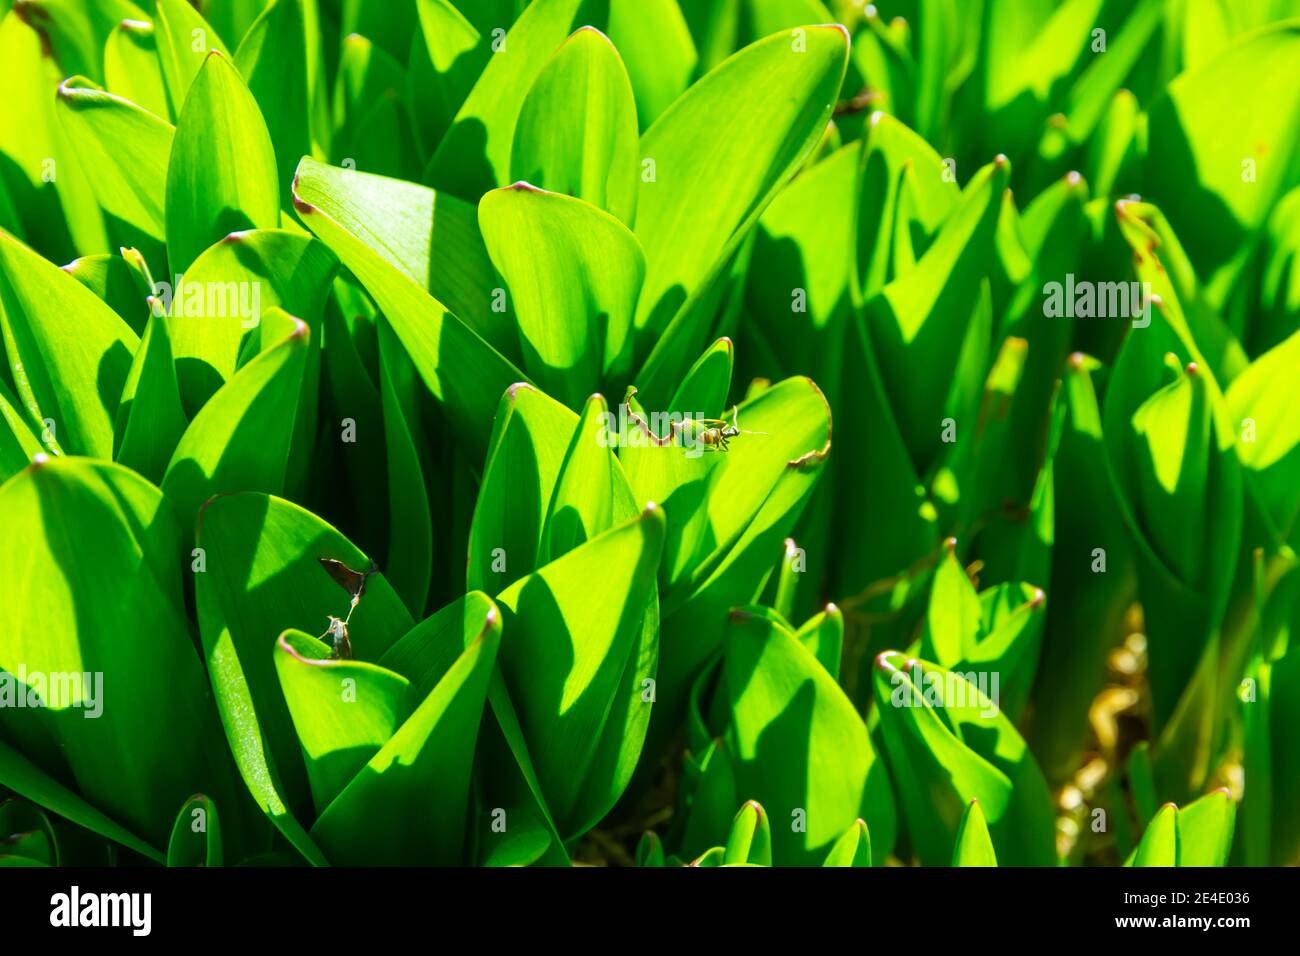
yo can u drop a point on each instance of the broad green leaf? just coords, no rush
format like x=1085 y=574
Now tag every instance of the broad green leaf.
x=713 y=179
x=1205 y=830
x=117 y=283
x=1199 y=834
x=1264 y=403
x=562 y=256
x=752 y=497
x=432 y=237
x=240 y=440
x=1159 y=846
x=128 y=148
x=953 y=622
x=70 y=374
x=425 y=653
x=78 y=530
x=150 y=420
x=226 y=293
x=575 y=668
x=272 y=57
x=45 y=181
x=464 y=373
x=343 y=710
x=949 y=744
x=474 y=155
x=184 y=40
x=801 y=749
x=132 y=69
x=373 y=129
x=920 y=322
x=974 y=846
x=656 y=46
x=261 y=577
x=591 y=493
x=525 y=457
x=410 y=539
x=383 y=816
x=823 y=635
x=1215 y=124
x=577 y=131
x=221 y=175
x=196 y=835
x=75 y=31
x=448 y=56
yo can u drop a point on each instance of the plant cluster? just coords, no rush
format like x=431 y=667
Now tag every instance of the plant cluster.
x=425 y=455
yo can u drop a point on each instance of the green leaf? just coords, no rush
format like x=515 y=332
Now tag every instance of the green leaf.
x=45 y=180
x=712 y=181
x=150 y=419
x=853 y=848
x=68 y=520
x=1262 y=397
x=196 y=835
x=800 y=747
x=260 y=578
x=18 y=442
x=343 y=710
x=1238 y=107
x=1199 y=834
x=920 y=323
x=591 y=493
x=974 y=846
x=526 y=454
x=410 y=539
x=656 y=46
x=184 y=41
x=577 y=130
x=751 y=837
x=560 y=255
x=474 y=156
x=23 y=777
x=240 y=440
x=823 y=634
x=949 y=744
x=273 y=60
x=373 y=128
x=575 y=668
x=432 y=237
x=383 y=816
x=649 y=851
x=465 y=373
x=70 y=374
x=1159 y=846
x=455 y=55
x=221 y=176
x=132 y=69
x=228 y=291
x=117 y=283
x=128 y=148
